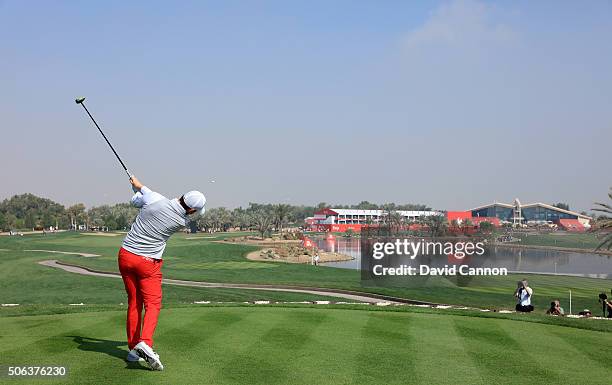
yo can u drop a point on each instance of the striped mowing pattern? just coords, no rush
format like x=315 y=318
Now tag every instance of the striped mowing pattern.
x=241 y=345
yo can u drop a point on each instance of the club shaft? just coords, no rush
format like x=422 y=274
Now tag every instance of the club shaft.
x=107 y=141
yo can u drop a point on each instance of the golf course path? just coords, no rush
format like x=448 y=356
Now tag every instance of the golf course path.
x=346 y=294
x=86 y=255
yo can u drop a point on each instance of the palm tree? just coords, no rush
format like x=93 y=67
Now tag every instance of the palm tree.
x=436 y=224
x=77 y=215
x=385 y=215
x=396 y=220
x=604 y=226
x=262 y=220
x=224 y=218
x=213 y=219
x=240 y=218
x=281 y=212
x=205 y=221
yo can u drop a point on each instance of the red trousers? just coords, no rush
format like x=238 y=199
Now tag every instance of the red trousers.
x=142 y=277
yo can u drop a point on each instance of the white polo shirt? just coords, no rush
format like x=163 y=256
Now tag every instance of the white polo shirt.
x=158 y=219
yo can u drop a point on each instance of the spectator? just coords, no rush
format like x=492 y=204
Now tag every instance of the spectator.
x=317 y=259
x=523 y=294
x=555 y=308
x=608 y=307
x=585 y=313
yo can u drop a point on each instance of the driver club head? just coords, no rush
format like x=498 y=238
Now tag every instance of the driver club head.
x=79 y=100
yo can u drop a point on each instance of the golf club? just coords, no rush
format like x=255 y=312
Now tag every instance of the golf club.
x=81 y=101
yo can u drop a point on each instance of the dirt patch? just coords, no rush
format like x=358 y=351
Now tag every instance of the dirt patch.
x=273 y=254
x=250 y=240
x=284 y=250
x=100 y=234
x=32 y=232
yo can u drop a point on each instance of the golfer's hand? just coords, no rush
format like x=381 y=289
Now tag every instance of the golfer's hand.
x=136 y=185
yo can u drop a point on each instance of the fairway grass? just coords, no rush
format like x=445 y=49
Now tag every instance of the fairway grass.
x=23 y=281
x=285 y=344
x=206 y=260
x=268 y=345
x=587 y=241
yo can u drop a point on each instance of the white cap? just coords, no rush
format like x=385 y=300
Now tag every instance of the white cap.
x=195 y=200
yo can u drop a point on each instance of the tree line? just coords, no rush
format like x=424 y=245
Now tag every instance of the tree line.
x=28 y=211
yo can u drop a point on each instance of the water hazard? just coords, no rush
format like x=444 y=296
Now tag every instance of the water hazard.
x=514 y=259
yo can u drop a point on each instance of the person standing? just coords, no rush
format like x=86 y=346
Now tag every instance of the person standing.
x=140 y=262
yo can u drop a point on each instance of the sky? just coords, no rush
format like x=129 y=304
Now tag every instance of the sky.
x=453 y=104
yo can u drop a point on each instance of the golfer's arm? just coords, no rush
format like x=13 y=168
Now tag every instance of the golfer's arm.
x=149 y=196
x=137 y=200
x=144 y=195
x=136 y=184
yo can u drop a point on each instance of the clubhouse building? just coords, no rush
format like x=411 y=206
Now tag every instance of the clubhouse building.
x=498 y=214
x=521 y=215
x=341 y=220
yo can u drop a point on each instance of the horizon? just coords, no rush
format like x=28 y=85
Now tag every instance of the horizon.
x=452 y=104
x=329 y=205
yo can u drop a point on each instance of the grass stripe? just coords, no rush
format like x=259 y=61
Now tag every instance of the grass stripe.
x=502 y=359
x=442 y=353
x=330 y=356
x=553 y=348
x=280 y=330
x=56 y=327
x=584 y=343
x=283 y=342
x=386 y=341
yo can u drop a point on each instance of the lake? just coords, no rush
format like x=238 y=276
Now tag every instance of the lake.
x=514 y=259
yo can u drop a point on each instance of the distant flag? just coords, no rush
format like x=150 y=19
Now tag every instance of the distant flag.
x=454 y=260
x=307 y=242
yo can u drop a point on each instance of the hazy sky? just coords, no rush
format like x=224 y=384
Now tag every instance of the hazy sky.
x=453 y=103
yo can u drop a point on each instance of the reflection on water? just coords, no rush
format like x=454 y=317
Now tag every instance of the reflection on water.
x=514 y=259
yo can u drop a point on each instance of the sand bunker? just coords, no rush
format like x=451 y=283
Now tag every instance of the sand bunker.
x=86 y=255
x=100 y=234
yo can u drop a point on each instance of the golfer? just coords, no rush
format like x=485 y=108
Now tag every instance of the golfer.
x=140 y=262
